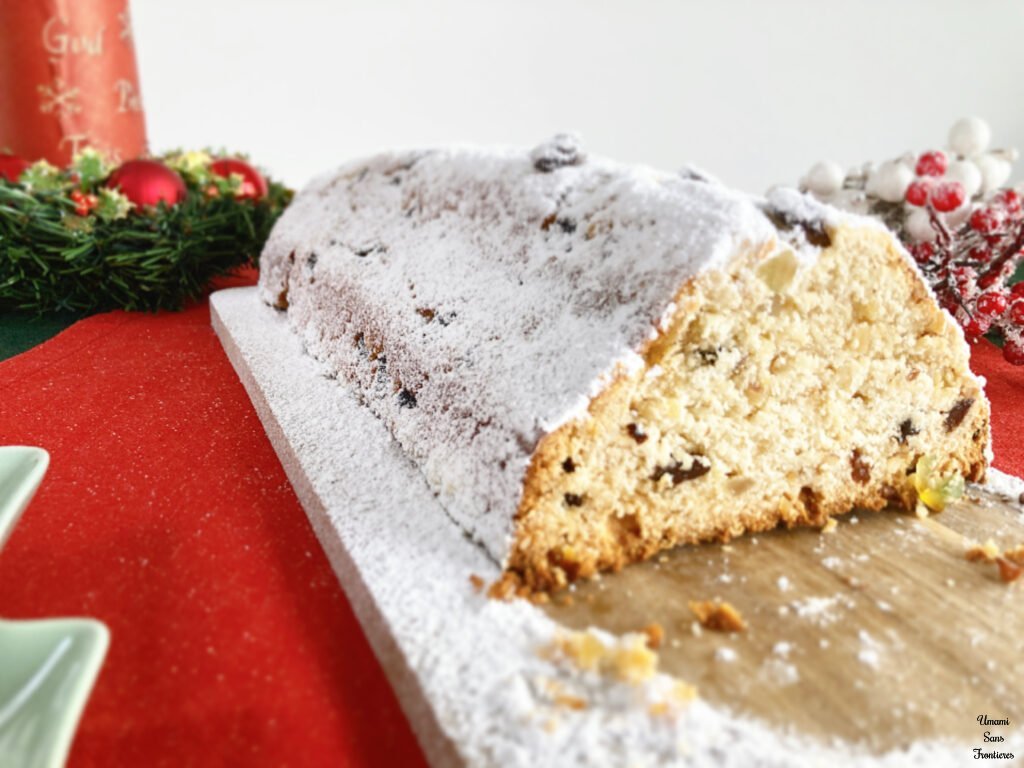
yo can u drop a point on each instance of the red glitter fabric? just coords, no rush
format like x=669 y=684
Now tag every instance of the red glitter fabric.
x=166 y=514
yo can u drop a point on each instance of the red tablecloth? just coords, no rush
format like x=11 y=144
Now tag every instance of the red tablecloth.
x=167 y=515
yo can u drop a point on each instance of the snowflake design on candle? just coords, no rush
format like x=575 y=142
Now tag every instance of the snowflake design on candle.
x=59 y=98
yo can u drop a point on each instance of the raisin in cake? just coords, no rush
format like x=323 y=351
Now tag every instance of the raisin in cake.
x=591 y=362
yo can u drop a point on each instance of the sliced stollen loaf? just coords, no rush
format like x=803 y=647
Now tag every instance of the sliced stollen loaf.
x=591 y=362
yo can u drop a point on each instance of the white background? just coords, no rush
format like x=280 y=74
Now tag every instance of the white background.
x=754 y=92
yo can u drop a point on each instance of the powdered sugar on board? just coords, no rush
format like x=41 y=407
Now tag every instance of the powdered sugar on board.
x=469 y=671
x=1004 y=485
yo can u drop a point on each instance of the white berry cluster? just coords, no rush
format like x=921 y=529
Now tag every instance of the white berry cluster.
x=963 y=229
x=907 y=191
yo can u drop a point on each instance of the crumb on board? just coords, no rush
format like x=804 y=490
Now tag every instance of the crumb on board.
x=635 y=662
x=830 y=526
x=655 y=635
x=680 y=693
x=852 y=582
x=1008 y=570
x=1010 y=562
x=505 y=588
x=717 y=616
x=562 y=698
x=477 y=582
x=570 y=702
x=627 y=659
x=659 y=708
x=987 y=552
x=1015 y=555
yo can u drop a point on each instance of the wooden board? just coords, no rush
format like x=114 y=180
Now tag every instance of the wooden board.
x=861 y=644
x=880 y=632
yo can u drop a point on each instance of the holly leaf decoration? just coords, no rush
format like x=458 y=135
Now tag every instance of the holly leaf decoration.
x=113 y=205
x=90 y=168
x=43 y=177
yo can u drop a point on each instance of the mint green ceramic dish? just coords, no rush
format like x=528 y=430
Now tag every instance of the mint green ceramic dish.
x=21 y=470
x=47 y=667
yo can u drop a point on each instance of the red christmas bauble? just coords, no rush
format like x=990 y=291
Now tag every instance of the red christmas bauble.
x=147 y=182
x=11 y=167
x=254 y=186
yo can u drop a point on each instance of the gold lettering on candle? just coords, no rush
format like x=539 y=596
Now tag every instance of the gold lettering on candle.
x=78 y=142
x=127 y=96
x=59 y=42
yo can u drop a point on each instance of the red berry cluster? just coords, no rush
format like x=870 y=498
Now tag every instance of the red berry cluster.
x=969 y=267
x=84 y=202
x=944 y=196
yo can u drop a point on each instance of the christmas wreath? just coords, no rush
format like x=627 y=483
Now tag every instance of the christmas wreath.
x=150 y=234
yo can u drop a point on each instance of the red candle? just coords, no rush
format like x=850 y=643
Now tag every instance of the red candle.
x=68 y=80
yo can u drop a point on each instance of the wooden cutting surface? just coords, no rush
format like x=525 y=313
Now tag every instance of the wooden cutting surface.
x=880 y=632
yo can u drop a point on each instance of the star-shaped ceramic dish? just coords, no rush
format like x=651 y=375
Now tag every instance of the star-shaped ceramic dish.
x=48 y=666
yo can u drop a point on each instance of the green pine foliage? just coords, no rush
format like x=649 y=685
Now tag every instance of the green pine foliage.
x=116 y=256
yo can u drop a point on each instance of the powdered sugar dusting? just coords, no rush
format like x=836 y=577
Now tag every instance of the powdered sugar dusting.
x=479 y=299
x=819 y=610
x=780 y=672
x=1002 y=484
x=725 y=654
x=870 y=650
